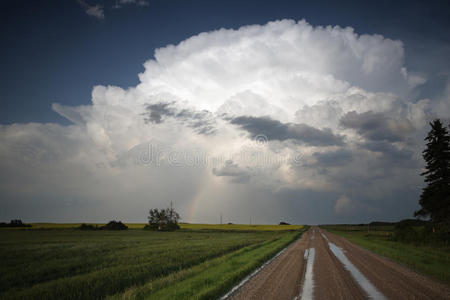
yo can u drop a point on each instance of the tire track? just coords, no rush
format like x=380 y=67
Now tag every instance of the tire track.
x=332 y=279
x=390 y=278
x=281 y=278
x=321 y=265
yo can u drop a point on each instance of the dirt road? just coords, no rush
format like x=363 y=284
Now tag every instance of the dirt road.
x=321 y=265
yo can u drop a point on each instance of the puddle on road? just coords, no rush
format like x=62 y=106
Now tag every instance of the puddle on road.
x=308 y=284
x=365 y=284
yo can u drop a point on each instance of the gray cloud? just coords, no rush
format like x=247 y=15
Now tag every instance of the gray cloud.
x=275 y=130
x=377 y=126
x=333 y=158
x=392 y=155
x=231 y=169
x=203 y=122
x=159 y=110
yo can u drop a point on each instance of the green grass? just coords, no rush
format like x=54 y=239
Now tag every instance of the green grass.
x=75 y=264
x=426 y=259
x=211 y=279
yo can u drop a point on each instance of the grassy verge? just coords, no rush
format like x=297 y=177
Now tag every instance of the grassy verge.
x=429 y=260
x=210 y=279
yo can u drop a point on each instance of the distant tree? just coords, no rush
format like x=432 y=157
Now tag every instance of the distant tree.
x=435 y=197
x=163 y=220
x=15 y=223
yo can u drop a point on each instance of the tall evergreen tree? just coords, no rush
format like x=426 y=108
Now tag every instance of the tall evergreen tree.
x=435 y=198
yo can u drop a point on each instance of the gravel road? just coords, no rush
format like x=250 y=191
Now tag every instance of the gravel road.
x=321 y=265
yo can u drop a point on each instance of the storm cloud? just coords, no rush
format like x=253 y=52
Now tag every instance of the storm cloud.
x=377 y=126
x=344 y=134
x=275 y=130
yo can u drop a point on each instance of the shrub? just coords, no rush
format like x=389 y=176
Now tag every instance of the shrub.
x=438 y=233
x=85 y=226
x=114 y=225
x=164 y=227
x=404 y=231
x=422 y=232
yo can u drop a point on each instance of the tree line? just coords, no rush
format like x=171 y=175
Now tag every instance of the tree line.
x=14 y=223
x=165 y=219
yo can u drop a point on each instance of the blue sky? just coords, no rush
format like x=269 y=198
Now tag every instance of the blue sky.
x=54 y=52
x=302 y=111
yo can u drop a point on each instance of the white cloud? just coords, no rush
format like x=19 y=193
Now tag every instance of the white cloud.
x=289 y=64
x=344 y=205
x=300 y=78
x=95 y=11
x=121 y=3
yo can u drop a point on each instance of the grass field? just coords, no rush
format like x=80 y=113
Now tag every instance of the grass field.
x=240 y=227
x=429 y=260
x=40 y=226
x=72 y=264
x=212 y=278
x=224 y=227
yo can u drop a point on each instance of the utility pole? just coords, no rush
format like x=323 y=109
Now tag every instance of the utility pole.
x=220 y=218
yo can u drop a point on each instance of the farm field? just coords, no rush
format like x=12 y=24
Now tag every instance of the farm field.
x=426 y=259
x=224 y=227
x=68 y=263
x=240 y=227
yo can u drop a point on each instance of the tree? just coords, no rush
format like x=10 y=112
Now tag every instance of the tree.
x=164 y=219
x=435 y=197
x=14 y=223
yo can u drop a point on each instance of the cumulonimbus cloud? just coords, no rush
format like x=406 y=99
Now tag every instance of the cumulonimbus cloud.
x=338 y=98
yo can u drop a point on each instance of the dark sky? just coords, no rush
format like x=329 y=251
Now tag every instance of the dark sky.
x=52 y=51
